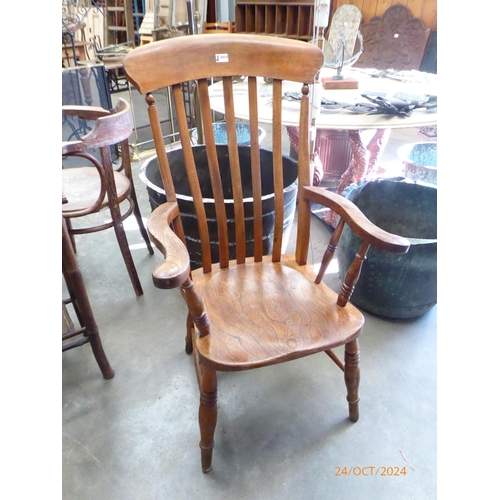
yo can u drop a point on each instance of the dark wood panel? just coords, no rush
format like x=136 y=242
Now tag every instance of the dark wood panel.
x=394 y=40
x=426 y=10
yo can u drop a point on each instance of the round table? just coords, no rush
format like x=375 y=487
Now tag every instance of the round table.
x=364 y=155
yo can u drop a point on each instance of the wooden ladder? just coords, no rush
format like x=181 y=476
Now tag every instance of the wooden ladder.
x=119 y=25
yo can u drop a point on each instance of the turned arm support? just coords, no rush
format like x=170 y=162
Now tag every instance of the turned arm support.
x=360 y=225
x=174 y=271
x=354 y=218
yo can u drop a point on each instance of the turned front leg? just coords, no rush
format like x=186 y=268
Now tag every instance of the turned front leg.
x=207 y=416
x=196 y=308
x=189 y=323
x=351 y=377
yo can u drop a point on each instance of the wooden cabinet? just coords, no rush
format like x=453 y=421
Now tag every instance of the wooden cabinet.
x=288 y=18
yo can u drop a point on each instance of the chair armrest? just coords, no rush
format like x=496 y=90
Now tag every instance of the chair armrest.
x=85 y=112
x=72 y=147
x=355 y=219
x=111 y=127
x=174 y=271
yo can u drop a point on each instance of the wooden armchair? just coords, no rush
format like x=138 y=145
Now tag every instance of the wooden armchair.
x=95 y=185
x=257 y=310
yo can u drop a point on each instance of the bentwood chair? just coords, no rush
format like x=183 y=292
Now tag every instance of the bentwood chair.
x=256 y=310
x=95 y=185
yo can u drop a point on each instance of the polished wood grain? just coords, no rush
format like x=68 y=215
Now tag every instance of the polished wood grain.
x=207 y=416
x=255 y=164
x=215 y=177
x=351 y=377
x=353 y=216
x=330 y=251
x=234 y=163
x=305 y=179
x=192 y=175
x=174 y=271
x=247 y=55
x=277 y=171
x=256 y=310
x=156 y=131
x=277 y=314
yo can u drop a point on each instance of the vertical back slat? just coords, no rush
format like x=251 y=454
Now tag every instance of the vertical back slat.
x=239 y=215
x=215 y=177
x=277 y=171
x=166 y=176
x=255 y=162
x=303 y=205
x=192 y=176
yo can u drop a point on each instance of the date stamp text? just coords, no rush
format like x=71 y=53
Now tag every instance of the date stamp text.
x=370 y=470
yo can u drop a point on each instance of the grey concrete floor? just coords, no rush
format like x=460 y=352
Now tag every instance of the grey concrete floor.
x=282 y=432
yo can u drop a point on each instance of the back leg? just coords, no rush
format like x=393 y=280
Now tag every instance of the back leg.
x=100 y=356
x=140 y=223
x=121 y=238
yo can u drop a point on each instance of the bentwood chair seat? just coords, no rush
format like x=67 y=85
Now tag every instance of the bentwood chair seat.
x=84 y=182
x=256 y=310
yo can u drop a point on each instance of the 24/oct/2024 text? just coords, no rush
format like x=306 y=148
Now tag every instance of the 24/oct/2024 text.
x=370 y=470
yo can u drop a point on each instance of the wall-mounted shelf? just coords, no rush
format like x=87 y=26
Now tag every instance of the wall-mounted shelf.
x=289 y=18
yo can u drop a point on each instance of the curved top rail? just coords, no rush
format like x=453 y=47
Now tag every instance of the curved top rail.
x=167 y=62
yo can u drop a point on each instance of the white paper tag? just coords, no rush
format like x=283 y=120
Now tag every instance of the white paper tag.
x=221 y=58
